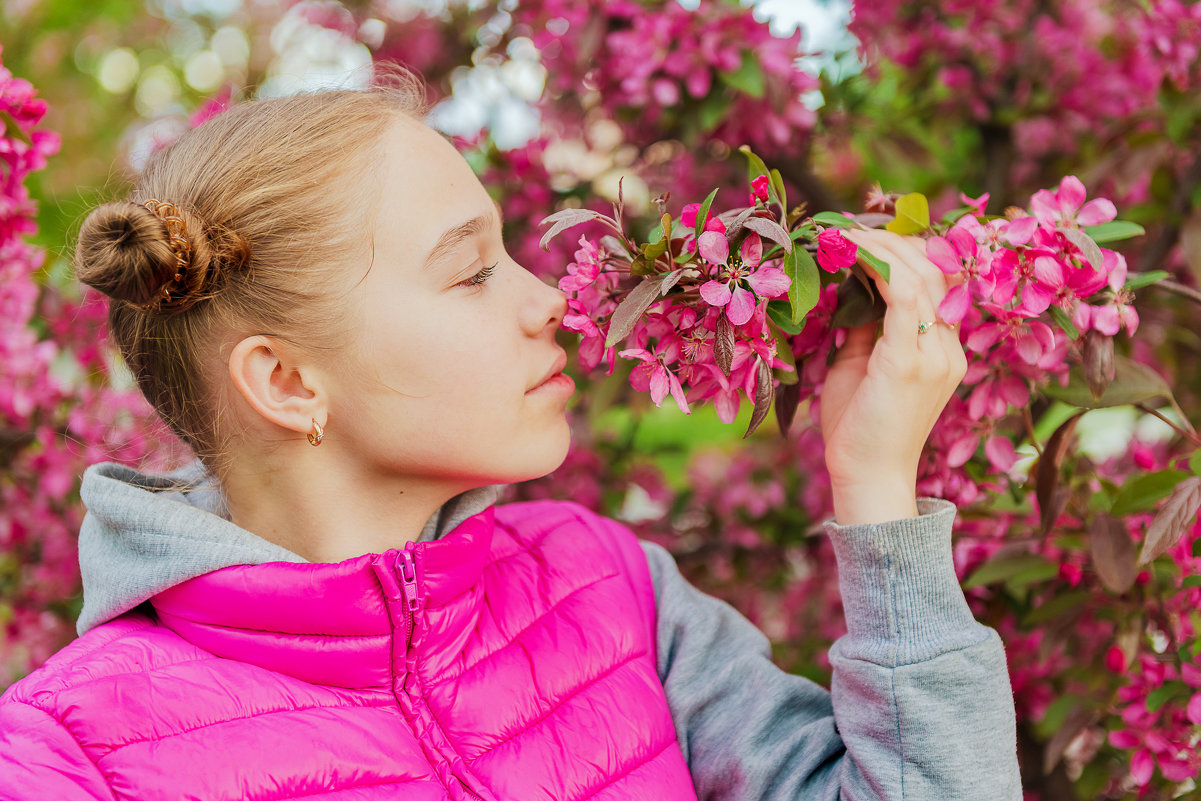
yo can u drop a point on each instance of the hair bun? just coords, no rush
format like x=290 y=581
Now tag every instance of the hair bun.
x=153 y=260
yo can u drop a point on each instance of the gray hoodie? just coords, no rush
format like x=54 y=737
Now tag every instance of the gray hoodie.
x=920 y=705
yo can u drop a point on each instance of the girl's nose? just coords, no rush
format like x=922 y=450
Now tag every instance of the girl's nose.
x=544 y=307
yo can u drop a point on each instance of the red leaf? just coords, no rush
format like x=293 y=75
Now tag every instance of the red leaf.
x=635 y=304
x=770 y=229
x=566 y=219
x=1112 y=553
x=723 y=343
x=1172 y=520
x=764 y=390
x=787 y=400
x=1050 y=500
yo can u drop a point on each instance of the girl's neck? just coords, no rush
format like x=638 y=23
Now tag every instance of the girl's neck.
x=326 y=514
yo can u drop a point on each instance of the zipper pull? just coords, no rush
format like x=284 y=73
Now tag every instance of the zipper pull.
x=408 y=580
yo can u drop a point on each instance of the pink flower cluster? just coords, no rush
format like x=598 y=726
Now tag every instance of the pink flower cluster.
x=1013 y=273
x=659 y=61
x=57 y=413
x=1071 y=66
x=713 y=346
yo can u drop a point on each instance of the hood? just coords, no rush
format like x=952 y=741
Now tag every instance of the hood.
x=143 y=534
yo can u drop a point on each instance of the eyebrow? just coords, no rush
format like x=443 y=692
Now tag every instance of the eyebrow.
x=453 y=237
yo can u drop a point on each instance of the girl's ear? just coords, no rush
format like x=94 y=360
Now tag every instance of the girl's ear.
x=276 y=386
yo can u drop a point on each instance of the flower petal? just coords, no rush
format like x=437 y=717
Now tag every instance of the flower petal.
x=768 y=282
x=942 y=253
x=1019 y=231
x=1071 y=195
x=715 y=293
x=742 y=306
x=954 y=306
x=1105 y=319
x=714 y=247
x=1049 y=272
x=962 y=449
x=963 y=241
x=677 y=392
x=1000 y=453
x=659 y=384
x=1142 y=765
x=1096 y=212
x=751 y=251
x=1115 y=267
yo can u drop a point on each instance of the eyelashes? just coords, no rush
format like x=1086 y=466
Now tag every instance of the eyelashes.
x=480 y=277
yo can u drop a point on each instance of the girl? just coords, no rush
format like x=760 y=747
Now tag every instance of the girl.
x=314 y=294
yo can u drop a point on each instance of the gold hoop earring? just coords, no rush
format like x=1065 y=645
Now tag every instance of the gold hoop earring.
x=317 y=434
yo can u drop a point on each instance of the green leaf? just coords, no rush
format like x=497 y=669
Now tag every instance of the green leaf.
x=1133 y=383
x=1057 y=606
x=702 y=215
x=712 y=111
x=1164 y=693
x=1063 y=321
x=1194 y=462
x=777 y=183
x=879 y=265
x=1141 y=493
x=655 y=250
x=913 y=215
x=834 y=218
x=1016 y=583
x=1191 y=581
x=805 y=284
x=1114 y=231
x=997 y=570
x=641 y=265
x=780 y=313
x=755 y=167
x=1140 y=280
x=748 y=78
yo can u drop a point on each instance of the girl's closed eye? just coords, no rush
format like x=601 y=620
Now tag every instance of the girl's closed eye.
x=480 y=277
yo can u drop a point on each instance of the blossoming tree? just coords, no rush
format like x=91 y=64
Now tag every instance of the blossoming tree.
x=709 y=282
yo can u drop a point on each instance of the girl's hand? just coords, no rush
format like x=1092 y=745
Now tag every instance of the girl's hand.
x=882 y=397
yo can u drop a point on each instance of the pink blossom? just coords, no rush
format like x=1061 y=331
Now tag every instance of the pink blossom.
x=1066 y=206
x=729 y=292
x=835 y=251
x=977 y=205
x=958 y=254
x=1071 y=574
x=653 y=375
x=758 y=190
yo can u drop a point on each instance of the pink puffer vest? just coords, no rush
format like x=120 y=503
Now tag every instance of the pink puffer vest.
x=514 y=659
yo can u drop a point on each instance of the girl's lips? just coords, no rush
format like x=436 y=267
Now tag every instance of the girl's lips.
x=559 y=383
x=555 y=369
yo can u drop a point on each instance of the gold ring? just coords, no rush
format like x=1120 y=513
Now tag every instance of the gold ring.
x=923 y=326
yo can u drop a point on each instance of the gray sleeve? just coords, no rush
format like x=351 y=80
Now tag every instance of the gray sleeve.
x=920 y=705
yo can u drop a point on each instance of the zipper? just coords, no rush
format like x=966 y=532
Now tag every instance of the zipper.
x=406 y=570
x=406 y=567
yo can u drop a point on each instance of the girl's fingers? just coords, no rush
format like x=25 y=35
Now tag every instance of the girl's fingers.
x=905 y=275
x=915 y=289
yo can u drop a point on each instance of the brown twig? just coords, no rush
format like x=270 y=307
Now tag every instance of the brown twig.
x=1191 y=436
x=1179 y=289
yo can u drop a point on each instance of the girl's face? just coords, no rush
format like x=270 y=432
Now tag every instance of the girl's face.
x=444 y=380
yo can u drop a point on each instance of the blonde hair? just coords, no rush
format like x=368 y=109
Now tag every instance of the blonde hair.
x=276 y=200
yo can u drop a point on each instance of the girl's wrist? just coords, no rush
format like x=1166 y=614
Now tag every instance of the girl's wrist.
x=874 y=502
